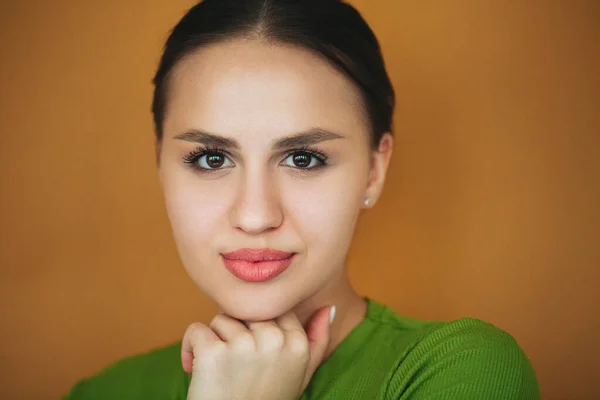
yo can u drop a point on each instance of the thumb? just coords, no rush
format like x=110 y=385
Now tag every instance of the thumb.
x=318 y=334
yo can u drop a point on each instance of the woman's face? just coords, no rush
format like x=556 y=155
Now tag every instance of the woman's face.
x=287 y=168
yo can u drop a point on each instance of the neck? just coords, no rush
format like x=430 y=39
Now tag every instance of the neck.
x=350 y=309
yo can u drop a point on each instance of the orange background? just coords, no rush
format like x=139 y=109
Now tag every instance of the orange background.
x=491 y=209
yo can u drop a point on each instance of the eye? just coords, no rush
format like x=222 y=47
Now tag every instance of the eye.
x=305 y=159
x=207 y=160
x=213 y=160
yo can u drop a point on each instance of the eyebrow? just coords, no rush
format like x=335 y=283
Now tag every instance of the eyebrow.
x=304 y=138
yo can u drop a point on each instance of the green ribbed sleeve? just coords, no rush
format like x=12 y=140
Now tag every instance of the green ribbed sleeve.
x=465 y=359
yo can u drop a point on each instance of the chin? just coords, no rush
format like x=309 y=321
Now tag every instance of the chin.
x=254 y=310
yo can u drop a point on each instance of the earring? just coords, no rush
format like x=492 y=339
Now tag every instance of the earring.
x=367 y=201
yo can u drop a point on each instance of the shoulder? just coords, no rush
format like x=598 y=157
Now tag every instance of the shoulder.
x=154 y=374
x=466 y=359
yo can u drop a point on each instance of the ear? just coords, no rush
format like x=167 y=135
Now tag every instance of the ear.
x=380 y=160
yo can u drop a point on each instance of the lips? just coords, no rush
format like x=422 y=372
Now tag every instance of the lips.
x=257 y=265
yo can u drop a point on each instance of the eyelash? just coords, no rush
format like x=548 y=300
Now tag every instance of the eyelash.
x=191 y=159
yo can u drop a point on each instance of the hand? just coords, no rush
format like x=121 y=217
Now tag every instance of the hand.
x=266 y=360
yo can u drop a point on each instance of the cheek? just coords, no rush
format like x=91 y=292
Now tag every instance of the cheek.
x=194 y=209
x=324 y=213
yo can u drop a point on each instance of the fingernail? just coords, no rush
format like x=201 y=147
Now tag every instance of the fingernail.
x=331 y=314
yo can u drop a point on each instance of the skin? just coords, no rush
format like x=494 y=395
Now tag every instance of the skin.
x=256 y=94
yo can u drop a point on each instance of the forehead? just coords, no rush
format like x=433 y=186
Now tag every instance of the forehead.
x=253 y=87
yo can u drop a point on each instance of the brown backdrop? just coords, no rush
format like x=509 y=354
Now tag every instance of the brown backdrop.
x=491 y=209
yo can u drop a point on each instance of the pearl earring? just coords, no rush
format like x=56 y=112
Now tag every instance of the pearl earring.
x=367 y=201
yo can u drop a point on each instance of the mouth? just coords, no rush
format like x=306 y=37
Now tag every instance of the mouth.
x=257 y=265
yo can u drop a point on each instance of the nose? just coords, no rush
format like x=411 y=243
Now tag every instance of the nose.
x=257 y=208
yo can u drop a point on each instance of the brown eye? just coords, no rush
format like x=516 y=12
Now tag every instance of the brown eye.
x=301 y=159
x=213 y=160
x=304 y=159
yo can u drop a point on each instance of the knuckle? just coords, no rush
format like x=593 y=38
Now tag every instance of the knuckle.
x=209 y=355
x=243 y=342
x=194 y=327
x=217 y=319
x=273 y=336
x=298 y=343
x=215 y=348
x=194 y=330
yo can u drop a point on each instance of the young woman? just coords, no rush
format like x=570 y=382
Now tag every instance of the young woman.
x=273 y=131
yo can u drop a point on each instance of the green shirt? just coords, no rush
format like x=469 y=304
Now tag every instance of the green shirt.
x=385 y=357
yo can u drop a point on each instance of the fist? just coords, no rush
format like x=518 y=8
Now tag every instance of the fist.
x=267 y=360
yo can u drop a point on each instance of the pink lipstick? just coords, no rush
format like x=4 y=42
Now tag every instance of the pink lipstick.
x=257 y=265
